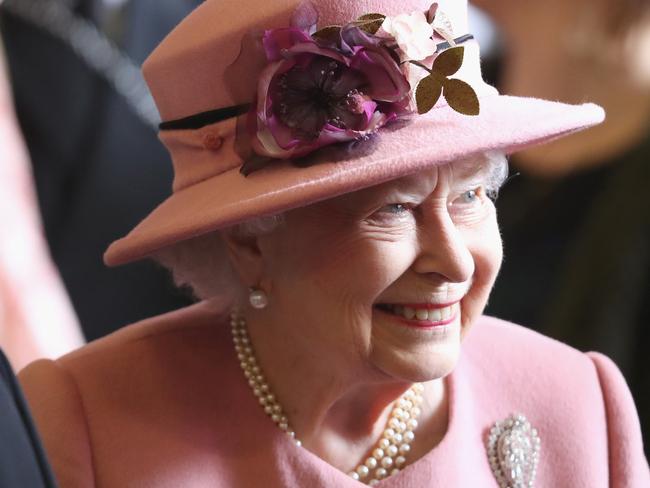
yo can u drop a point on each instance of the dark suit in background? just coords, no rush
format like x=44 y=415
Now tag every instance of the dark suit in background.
x=22 y=459
x=98 y=168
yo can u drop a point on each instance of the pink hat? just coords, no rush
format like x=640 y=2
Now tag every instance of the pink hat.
x=258 y=99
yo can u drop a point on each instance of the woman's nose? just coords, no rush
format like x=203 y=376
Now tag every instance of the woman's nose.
x=443 y=250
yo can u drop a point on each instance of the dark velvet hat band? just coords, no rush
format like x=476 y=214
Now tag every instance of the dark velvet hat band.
x=202 y=119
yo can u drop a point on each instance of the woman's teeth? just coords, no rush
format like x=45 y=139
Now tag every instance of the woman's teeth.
x=423 y=314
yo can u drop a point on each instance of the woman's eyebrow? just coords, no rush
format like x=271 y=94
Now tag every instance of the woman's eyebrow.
x=472 y=172
x=477 y=177
x=408 y=191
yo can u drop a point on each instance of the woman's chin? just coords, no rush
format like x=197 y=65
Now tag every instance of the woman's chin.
x=419 y=366
x=413 y=351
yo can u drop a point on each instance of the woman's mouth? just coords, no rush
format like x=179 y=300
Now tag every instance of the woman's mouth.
x=422 y=315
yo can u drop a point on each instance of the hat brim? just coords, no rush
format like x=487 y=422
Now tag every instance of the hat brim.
x=505 y=123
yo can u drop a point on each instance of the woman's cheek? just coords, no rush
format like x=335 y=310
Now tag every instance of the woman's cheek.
x=484 y=243
x=483 y=240
x=367 y=267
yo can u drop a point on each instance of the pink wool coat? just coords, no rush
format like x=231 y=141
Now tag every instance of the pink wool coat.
x=163 y=404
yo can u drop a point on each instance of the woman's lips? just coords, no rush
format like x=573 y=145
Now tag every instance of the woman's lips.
x=423 y=315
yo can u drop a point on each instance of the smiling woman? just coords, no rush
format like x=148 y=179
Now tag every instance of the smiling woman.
x=201 y=264
x=336 y=222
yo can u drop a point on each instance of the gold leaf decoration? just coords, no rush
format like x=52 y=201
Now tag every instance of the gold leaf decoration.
x=370 y=23
x=428 y=92
x=367 y=17
x=461 y=97
x=330 y=34
x=449 y=61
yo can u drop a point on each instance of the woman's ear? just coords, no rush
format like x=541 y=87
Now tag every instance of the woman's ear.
x=245 y=256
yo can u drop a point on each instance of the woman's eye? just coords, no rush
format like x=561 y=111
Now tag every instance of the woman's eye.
x=469 y=205
x=393 y=212
x=395 y=208
x=468 y=198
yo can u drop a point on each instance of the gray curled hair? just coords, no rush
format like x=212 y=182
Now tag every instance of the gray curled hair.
x=202 y=266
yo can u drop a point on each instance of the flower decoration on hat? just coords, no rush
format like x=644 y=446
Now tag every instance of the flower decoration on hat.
x=413 y=34
x=314 y=92
x=343 y=83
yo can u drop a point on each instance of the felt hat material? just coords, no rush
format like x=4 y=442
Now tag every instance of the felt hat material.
x=205 y=64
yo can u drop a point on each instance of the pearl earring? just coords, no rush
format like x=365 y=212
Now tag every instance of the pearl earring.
x=258 y=298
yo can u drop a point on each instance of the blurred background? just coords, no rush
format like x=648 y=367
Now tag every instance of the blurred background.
x=90 y=128
x=575 y=215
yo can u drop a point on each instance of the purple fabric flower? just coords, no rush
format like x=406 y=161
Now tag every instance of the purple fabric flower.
x=311 y=95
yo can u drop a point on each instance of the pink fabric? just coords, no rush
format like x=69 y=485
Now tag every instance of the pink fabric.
x=163 y=403
x=36 y=317
x=190 y=71
x=439 y=137
x=209 y=62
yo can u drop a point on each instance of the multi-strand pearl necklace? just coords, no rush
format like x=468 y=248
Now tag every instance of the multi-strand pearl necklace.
x=390 y=452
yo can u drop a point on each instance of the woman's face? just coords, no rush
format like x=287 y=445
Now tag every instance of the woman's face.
x=388 y=278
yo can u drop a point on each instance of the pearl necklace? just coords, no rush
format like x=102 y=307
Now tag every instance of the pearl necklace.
x=389 y=454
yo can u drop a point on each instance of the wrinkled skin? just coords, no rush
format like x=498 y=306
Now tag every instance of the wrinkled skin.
x=333 y=357
x=333 y=262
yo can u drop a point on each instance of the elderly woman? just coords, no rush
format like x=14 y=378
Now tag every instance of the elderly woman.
x=334 y=171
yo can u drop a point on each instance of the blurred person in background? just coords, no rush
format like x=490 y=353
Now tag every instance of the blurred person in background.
x=90 y=129
x=576 y=221
x=22 y=461
x=36 y=317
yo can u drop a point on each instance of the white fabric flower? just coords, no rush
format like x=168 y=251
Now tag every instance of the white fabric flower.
x=412 y=33
x=443 y=27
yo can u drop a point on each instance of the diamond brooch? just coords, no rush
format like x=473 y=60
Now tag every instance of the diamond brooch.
x=513 y=451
